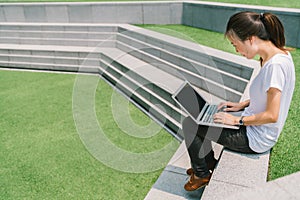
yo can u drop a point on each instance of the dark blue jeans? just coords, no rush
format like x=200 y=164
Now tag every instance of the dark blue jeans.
x=198 y=142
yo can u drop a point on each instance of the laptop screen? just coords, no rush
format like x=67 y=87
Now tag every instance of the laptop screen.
x=190 y=100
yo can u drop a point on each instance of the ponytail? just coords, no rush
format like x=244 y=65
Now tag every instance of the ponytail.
x=274 y=28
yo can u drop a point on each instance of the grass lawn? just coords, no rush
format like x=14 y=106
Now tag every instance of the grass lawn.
x=42 y=156
x=285 y=155
x=273 y=3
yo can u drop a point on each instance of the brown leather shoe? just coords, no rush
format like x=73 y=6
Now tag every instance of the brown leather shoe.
x=196 y=183
x=210 y=166
x=189 y=171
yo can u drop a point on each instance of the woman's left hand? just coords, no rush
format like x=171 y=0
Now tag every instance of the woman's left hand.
x=225 y=118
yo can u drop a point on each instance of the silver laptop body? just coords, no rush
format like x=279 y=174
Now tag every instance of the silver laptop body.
x=197 y=107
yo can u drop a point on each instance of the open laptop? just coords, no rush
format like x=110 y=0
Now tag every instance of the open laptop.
x=197 y=107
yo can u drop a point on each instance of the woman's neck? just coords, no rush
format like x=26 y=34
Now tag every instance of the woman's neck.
x=267 y=50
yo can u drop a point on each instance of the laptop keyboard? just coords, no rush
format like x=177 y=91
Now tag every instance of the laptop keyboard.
x=208 y=116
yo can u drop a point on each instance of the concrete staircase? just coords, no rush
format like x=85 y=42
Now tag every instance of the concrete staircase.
x=53 y=46
x=147 y=67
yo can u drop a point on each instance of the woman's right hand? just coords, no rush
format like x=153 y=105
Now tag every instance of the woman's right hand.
x=230 y=106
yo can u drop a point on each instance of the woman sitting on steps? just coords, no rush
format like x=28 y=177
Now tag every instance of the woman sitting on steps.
x=265 y=112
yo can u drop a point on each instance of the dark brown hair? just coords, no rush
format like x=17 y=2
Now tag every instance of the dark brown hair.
x=265 y=26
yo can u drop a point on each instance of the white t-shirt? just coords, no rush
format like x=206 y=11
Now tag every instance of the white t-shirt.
x=278 y=72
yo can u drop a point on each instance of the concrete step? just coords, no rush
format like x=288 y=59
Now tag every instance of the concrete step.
x=58 y=41
x=206 y=84
x=51 y=54
x=222 y=77
x=57 y=34
x=49 y=67
x=166 y=83
x=61 y=58
x=51 y=50
x=50 y=59
x=237 y=172
x=233 y=64
x=170 y=183
x=150 y=81
x=86 y=27
x=128 y=85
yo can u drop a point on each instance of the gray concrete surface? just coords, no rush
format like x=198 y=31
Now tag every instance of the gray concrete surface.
x=237 y=172
x=169 y=185
x=163 y=12
x=284 y=188
x=207 y=15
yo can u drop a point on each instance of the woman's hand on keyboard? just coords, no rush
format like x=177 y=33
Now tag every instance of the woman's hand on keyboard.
x=226 y=118
x=230 y=106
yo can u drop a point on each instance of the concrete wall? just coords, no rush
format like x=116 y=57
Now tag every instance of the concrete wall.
x=206 y=15
x=93 y=12
x=214 y=16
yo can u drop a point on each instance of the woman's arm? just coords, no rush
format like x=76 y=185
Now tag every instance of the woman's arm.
x=270 y=115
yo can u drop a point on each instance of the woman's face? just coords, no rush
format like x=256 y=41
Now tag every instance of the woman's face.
x=245 y=48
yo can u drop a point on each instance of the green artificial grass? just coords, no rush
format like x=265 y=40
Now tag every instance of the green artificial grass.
x=273 y=3
x=42 y=156
x=285 y=155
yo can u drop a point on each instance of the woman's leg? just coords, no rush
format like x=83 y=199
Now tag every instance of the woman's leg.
x=233 y=139
x=197 y=147
x=198 y=142
x=199 y=150
x=197 y=139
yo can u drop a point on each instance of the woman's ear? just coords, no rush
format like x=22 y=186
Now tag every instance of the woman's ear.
x=251 y=39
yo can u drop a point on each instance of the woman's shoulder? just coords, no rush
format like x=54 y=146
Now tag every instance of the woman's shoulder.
x=281 y=59
x=280 y=63
x=282 y=56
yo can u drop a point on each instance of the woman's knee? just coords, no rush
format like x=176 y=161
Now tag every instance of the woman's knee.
x=191 y=128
